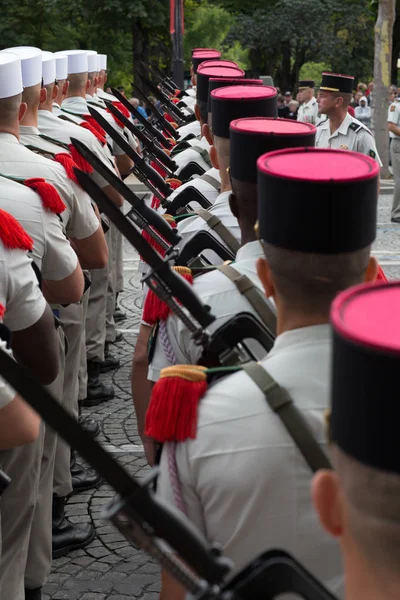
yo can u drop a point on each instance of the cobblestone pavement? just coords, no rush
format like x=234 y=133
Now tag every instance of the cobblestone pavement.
x=110 y=568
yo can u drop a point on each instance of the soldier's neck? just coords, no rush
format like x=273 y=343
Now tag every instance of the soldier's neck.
x=336 y=120
x=76 y=94
x=31 y=118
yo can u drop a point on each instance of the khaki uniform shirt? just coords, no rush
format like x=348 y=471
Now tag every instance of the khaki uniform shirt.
x=308 y=112
x=244 y=482
x=63 y=131
x=79 y=218
x=351 y=135
x=52 y=252
x=221 y=294
x=394 y=117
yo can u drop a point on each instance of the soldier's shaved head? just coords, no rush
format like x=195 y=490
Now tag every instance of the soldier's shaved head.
x=77 y=84
x=9 y=110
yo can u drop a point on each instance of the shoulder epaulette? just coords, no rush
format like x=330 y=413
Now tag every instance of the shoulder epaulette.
x=51 y=199
x=12 y=234
x=53 y=141
x=62 y=158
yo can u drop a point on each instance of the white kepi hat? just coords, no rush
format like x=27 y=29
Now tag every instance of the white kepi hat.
x=93 y=61
x=31 y=64
x=48 y=68
x=10 y=75
x=61 y=66
x=102 y=62
x=77 y=61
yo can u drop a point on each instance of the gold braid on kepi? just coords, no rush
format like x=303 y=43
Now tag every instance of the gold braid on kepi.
x=154 y=309
x=173 y=408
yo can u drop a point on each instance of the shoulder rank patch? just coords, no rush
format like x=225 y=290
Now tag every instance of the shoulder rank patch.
x=372 y=153
x=355 y=127
x=392 y=107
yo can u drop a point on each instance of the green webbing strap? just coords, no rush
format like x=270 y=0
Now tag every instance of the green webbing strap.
x=252 y=294
x=297 y=427
x=216 y=225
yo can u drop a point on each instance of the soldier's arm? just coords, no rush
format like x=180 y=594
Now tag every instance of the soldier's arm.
x=393 y=128
x=19 y=424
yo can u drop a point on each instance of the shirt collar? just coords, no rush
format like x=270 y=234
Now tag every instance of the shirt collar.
x=223 y=199
x=75 y=103
x=250 y=250
x=28 y=130
x=302 y=335
x=8 y=137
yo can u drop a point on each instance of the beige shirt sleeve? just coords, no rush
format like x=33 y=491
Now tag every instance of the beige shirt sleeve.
x=7 y=393
x=59 y=260
x=84 y=222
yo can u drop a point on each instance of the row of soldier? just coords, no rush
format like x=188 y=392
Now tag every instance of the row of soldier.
x=226 y=461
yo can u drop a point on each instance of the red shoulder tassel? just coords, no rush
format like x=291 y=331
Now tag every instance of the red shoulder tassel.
x=2 y=311
x=118 y=122
x=174 y=182
x=380 y=276
x=80 y=162
x=51 y=199
x=155 y=202
x=157 y=168
x=154 y=309
x=173 y=408
x=122 y=109
x=68 y=163
x=101 y=136
x=175 y=100
x=153 y=243
x=12 y=234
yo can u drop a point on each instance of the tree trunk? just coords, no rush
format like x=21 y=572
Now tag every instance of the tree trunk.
x=382 y=65
x=140 y=51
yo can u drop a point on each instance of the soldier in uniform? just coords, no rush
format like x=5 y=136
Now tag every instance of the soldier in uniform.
x=341 y=130
x=394 y=134
x=316 y=227
x=308 y=110
x=103 y=79
x=358 y=501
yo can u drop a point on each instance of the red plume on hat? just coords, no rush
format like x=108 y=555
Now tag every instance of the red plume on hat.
x=12 y=234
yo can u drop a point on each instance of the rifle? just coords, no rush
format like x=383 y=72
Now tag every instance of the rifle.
x=144 y=172
x=150 y=524
x=153 y=151
x=160 y=120
x=151 y=130
x=176 y=292
x=166 y=102
x=142 y=215
x=162 y=79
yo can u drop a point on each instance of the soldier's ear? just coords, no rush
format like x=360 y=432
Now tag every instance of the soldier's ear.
x=371 y=270
x=55 y=91
x=233 y=205
x=265 y=276
x=328 y=502
x=65 y=87
x=87 y=84
x=214 y=157
x=43 y=95
x=23 y=107
x=197 y=112
x=206 y=132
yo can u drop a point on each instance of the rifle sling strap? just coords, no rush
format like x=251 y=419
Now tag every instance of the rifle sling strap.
x=203 y=153
x=297 y=427
x=252 y=294
x=211 y=180
x=216 y=225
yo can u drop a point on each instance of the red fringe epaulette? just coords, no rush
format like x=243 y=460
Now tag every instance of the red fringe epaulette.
x=68 y=163
x=12 y=234
x=80 y=162
x=2 y=311
x=51 y=199
x=157 y=168
x=380 y=276
x=154 y=309
x=123 y=110
x=173 y=408
x=92 y=125
x=153 y=243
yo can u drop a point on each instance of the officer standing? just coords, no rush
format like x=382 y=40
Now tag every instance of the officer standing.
x=308 y=109
x=358 y=501
x=341 y=131
x=394 y=134
x=316 y=226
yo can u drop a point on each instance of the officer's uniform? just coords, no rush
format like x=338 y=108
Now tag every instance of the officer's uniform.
x=352 y=134
x=270 y=476
x=394 y=117
x=308 y=111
